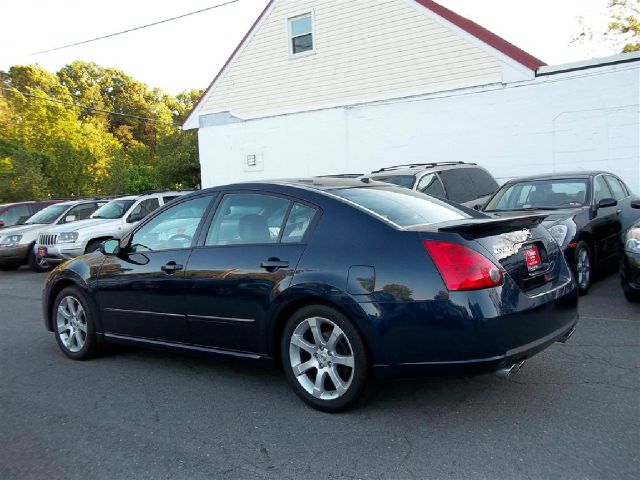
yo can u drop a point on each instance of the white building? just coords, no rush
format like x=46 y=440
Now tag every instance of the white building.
x=347 y=86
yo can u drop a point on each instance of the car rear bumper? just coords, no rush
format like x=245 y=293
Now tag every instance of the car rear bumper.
x=473 y=332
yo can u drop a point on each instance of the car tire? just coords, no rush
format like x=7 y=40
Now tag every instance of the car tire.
x=318 y=340
x=37 y=263
x=9 y=268
x=74 y=326
x=93 y=246
x=583 y=262
x=633 y=297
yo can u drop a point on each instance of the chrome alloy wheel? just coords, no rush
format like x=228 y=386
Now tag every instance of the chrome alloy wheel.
x=583 y=268
x=321 y=358
x=42 y=263
x=72 y=324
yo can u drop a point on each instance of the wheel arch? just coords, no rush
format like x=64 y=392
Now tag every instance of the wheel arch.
x=350 y=309
x=97 y=239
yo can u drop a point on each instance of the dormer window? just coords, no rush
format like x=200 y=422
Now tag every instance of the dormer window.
x=301 y=34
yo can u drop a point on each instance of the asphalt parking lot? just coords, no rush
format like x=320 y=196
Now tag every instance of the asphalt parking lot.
x=572 y=412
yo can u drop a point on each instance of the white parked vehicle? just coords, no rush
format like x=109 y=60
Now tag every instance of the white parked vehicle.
x=17 y=243
x=113 y=220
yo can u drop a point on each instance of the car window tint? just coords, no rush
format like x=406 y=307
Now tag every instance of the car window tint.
x=172 y=229
x=539 y=194
x=168 y=198
x=601 y=190
x=145 y=207
x=459 y=185
x=402 y=207
x=248 y=218
x=406 y=181
x=430 y=185
x=616 y=188
x=298 y=223
x=484 y=183
x=15 y=214
x=80 y=212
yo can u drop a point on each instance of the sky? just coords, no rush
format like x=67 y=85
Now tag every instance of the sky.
x=187 y=53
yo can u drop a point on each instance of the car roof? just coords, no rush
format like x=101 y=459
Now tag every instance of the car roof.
x=310 y=183
x=414 y=168
x=560 y=176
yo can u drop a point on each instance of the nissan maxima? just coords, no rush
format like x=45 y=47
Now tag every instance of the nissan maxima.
x=338 y=280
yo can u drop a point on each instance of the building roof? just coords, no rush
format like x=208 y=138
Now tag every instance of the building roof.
x=465 y=24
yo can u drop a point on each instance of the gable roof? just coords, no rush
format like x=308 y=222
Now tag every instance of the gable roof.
x=481 y=33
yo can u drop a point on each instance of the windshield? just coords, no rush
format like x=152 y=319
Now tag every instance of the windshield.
x=114 y=209
x=540 y=195
x=406 y=181
x=404 y=208
x=47 y=215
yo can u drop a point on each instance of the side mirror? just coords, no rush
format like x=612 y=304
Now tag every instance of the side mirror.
x=607 y=202
x=1 y=224
x=135 y=217
x=69 y=218
x=21 y=220
x=635 y=204
x=110 y=247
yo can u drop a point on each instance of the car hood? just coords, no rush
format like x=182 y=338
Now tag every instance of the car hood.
x=80 y=224
x=22 y=229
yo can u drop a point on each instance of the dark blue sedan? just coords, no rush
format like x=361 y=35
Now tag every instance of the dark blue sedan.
x=338 y=280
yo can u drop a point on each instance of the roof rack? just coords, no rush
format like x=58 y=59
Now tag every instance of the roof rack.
x=425 y=165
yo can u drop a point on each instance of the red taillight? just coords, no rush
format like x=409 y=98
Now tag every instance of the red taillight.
x=463 y=268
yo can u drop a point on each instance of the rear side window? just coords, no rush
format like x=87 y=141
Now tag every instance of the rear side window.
x=298 y=223
x=617 y=189
x=403 y=208
x=145 y=207
x=459 y=186
x=430 y=185
x=248 y=218
x=79 y=212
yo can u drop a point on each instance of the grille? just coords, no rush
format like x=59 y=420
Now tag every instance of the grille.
x=47 y=239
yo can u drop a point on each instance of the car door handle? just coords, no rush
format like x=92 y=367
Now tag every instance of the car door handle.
x=171 y=267
x=274 y=264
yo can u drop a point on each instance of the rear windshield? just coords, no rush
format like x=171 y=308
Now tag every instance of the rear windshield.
x=404 y=208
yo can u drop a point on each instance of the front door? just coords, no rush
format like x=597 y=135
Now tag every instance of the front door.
x=248 y=256
x=606 y=226
x=141 y=291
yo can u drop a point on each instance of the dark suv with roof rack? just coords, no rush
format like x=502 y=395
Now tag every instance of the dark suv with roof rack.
x=460 y=182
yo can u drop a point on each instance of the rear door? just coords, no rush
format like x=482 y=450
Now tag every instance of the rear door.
x=246 y=257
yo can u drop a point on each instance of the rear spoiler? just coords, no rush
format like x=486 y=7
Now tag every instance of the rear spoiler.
x=478 y=225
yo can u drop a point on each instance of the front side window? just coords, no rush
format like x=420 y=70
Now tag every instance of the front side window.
x=616 y=188
x=301 y=34
x=600 y=190
x=173 y=229
x=248 y=218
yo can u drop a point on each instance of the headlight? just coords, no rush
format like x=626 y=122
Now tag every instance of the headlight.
x=68 y=237
x=632 y=245
x=10 y=240
x=559 y=233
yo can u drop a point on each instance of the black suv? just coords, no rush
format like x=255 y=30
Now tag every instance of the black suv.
x=460 y=182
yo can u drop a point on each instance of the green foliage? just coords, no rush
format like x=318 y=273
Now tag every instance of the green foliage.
x=56 y=149
x=625 y=23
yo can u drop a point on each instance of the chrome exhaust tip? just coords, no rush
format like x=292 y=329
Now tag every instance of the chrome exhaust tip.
x=512 y=369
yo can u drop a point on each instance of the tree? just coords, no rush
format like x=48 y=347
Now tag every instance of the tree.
x=621 y=33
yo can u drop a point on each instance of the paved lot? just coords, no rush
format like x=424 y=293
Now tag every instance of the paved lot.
x=572 y=412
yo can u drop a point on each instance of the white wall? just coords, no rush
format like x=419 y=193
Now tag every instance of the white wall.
x=363 y=49
x=575 y=121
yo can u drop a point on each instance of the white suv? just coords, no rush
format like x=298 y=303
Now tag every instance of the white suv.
x=113 y=220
